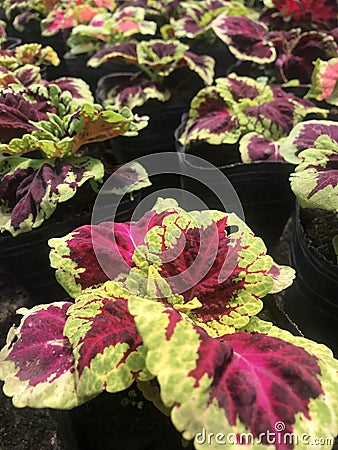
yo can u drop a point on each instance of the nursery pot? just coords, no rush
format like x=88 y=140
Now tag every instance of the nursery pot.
x=26 y=257
x=262 y=187
x=117 y=422
x=11 y=42
x=77 y=67
x=312 y=302
x=224 y=59
x=158 y=136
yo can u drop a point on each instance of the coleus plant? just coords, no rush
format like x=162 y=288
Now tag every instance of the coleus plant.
x=157 y=60
x=196 y=18
x=285 y=55
x=218 y=366
x=45 y=150
x=308 y=14
x=324 y=82
x=241 y=107
x=53 y=15
x=22 y=11
x=110 y=28
x=33 y=53
x=313 y=147
x=70 y=13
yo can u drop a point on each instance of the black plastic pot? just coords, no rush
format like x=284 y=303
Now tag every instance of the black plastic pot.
x=312 y=301
x=26 y=257
x=112 y=422
x=11 y=42
x=224 y=59
x=77 y=67
x=263 y=187
x=158 y=136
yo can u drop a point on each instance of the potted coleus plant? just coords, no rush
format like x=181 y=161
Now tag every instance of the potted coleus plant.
x=236 y=125
x=280 y=55
x=104 y=30
x=310 y=15
x=168 y=76
x=324 y=85
x=33 y=54
x=208 y=361
x=48 y=168
x=313 y=147
x=194 y=25
x=24 y=21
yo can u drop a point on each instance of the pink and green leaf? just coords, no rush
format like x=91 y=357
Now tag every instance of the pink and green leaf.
x=108 y=350
x=218 y=278
x=324 y=82
x=254 y=147
x=136 y=91
x=37 y=363
x=245 y=382
x=222 y=114
x=77 y=256
x=125 y=51
x=31 y=189
x=313 y=145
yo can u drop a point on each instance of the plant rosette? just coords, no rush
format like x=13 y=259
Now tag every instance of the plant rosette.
x=68 y=14
x=110 y=28
x=52 y=127
x=207 y=342
x=32 y=54
x=157 y=61
x=195 y=21
x=244 y=113
x=281 y=55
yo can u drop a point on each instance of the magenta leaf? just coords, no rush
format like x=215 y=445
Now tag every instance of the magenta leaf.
x=218 y=276
x=247 y=39
x=254 y=147
x=78 y=256
x=245 y=382
x=107 y=347
x=37 y=364
x=135 y=91
x=125 y=51
x=222 y=114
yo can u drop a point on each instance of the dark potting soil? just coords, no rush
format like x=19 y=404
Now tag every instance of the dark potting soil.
x=321 y=227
